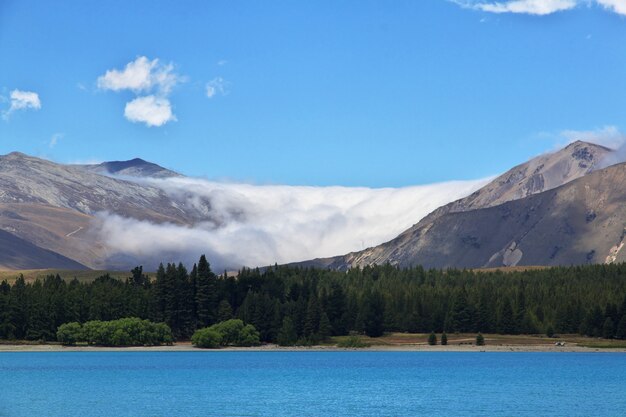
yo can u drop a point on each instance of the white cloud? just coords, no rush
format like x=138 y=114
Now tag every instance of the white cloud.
x=141 y=75
x=222 y=62
x=253 y=225
x=535 y=7
x=216 y=86
x=617 y=6
x=22 y=100
x=54 y=139
x=151 y=110
x=144 y=76
x=609 y=136
x=538 y=7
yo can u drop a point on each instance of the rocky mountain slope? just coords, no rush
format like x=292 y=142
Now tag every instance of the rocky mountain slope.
x=427 y=242
x=16 y=253
x=52 y=206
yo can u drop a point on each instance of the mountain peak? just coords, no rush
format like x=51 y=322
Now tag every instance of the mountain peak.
x=579 y=143
x=17 y=155
x=135 y=167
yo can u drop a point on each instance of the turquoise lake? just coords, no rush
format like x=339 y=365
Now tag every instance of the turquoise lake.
x=115 y=384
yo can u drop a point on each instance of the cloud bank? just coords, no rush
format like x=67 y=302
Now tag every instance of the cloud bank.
x=251 y=225
x=22 y=100
x=151 y=78
x=539 y=7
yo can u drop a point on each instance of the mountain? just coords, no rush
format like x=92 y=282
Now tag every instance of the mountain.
x=447 y=237
x=54 y=206
x=55 y=215
x=26 y=179
x=132 y=168
x=16 y=253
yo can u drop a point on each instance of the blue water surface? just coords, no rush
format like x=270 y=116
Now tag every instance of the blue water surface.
x=136 y=384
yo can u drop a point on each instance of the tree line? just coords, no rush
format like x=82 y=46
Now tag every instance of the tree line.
x=293 y=305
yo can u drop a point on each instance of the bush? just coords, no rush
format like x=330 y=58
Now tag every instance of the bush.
x=227 y=333
x=444 y=339
x=432 y=339
x=123 y=332
x=207 y=338
x=352 y=342
x=69 y=333
x=550 y=331
x=249 y=336
x=480 y=340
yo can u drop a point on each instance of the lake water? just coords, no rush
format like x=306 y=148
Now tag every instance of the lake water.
x=136 y=384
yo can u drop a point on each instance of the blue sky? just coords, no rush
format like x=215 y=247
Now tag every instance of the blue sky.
x=368 y=93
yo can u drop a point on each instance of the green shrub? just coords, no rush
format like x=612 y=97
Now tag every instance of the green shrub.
x=249 y=336
x=480 y=340
x=432 y=339
x=69 y=333
x=352 y=342
x=444 y=339
x=123 y=332
x=207 y=338
x=227 y=333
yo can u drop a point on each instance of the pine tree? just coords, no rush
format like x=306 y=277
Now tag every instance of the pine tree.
x=184 y=303
x=444 y=339
x=19 y=304
x=432 y=339
x=312 y=321
x=224 y=311
x=521 y=322
x=336 y=309
x=160 y=294
x=506 y=321
x=461 y=319
x=480 y=340
x=7 y=328
x=373 y=321
x=206 y=294
x=608 y=329
x=287 y=335
x=485 y=317
x=620 y=332
x=325 y=328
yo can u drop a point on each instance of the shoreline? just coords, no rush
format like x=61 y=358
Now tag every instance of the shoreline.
x=187 y=347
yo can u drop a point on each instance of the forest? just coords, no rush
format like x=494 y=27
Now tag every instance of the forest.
x=293 y=305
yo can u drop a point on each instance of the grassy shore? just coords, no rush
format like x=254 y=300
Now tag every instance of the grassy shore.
x=401 y=342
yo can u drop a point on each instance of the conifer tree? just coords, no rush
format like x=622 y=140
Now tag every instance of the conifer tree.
x=506 y=321
x=373 y=322
x=206 y=294
x=287 y=335
x=325 y=328
x=224 y=311
x=620 y=332
x=608 y=329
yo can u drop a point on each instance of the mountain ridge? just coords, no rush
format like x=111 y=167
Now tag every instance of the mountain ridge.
x=547 y=171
